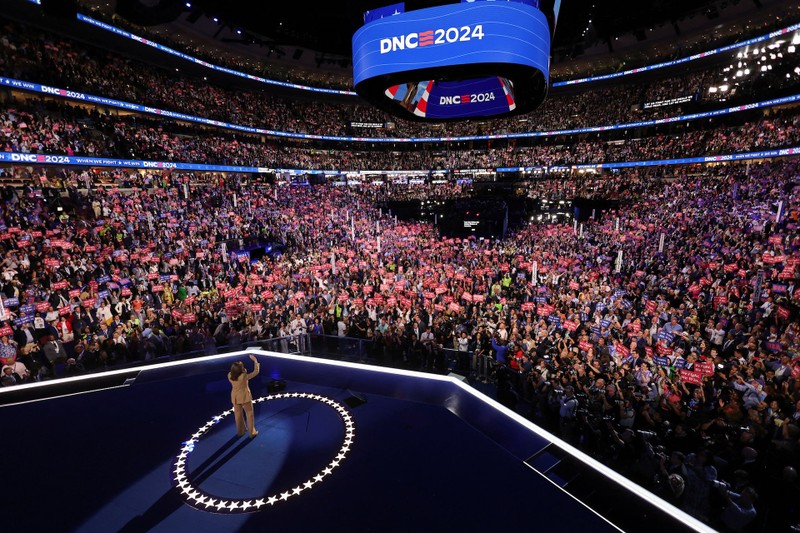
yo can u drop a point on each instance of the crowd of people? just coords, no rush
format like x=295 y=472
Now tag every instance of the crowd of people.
x=33 y=56
x=662 y=337
x=49 y=127
x=693 y=348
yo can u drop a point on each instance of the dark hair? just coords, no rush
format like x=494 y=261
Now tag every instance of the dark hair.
x=237 y=369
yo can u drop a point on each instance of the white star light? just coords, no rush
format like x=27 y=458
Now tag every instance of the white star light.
x=198 y=499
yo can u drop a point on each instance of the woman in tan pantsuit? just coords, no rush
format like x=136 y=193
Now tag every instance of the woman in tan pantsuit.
x=241 y=398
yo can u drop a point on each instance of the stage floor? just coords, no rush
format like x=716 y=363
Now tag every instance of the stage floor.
x=103 y=461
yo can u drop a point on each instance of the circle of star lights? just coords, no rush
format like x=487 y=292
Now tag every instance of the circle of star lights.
x=203 y=501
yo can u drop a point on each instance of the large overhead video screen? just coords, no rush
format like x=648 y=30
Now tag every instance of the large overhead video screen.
x=462 y=60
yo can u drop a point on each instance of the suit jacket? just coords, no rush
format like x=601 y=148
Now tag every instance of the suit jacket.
x=240 y=389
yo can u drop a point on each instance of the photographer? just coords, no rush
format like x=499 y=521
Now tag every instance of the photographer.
x=567 y=412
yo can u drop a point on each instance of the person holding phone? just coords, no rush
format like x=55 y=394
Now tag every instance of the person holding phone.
x=241 y=398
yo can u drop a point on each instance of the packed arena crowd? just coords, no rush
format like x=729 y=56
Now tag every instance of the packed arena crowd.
x=55 y=128
x=662 y=338
x=32 y=56
x=673 y=349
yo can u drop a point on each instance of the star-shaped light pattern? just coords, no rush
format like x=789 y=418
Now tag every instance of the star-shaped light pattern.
x=200 y=500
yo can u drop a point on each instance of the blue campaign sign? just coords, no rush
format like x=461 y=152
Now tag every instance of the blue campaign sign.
x=454 y=34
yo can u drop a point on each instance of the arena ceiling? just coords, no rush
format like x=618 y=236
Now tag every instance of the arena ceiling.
x=328 y=26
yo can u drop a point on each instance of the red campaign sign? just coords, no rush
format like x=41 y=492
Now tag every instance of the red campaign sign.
x=439 y=307
x=779 y=259
x=189 y=318
x=378 y=299
x=36 y=234
x=358 y=301
x=391 y=301
x=570 y=325
x=429 y=295
x=42 y=306
x=440 y=290
x=635 y=327
x=173 y=261
x=766 y=258
x=542 y=310
x=478 y=298
x=5 y=236
x=691 y=377
x=741 y=273
x=528 y=306
x=466 y=297
x=449 y=299
x=89 y=302
x=405 y=302
x=23 y=244
x=720 y=300
x=74 y=293
x=6 y=331
x=256 y=307
x=265 y=294
x=705 y=281
x=585 y=346
x=732 y=267
x=125 y=291
x=188 y=300
x=157 y=288
x=384 y=287
x=651 y=307
x=706 y=369
x=199 y=255
x=574 y=285
x=622 y=350
x=783 y=312
x=776 y=239
x=368 y=289
x=152 y=275
x=63 y=311
x=454 y=307
x=663 y=350
x=459 y=277
x=58 y=285
x=712 y=266
x=344 y=297
x=648 y=350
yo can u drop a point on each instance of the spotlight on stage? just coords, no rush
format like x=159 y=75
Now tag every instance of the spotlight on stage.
x=355 y=399
x=276 y=385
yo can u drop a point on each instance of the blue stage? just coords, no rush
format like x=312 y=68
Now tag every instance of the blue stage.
x=412 y=452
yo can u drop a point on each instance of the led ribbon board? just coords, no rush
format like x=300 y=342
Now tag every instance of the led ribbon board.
x=476 y=59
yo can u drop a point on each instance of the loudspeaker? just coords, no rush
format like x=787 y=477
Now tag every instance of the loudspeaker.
x=276 y=385
x=354 y=400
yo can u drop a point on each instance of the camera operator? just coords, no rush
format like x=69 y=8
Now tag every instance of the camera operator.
x=567 y=412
